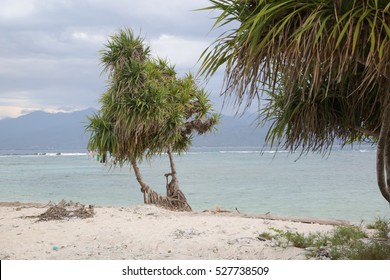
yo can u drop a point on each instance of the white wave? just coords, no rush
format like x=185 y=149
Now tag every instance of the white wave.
x=253 y=152
x=366 y=151
x=48 y=154
x=239 y=152
x=74 y=154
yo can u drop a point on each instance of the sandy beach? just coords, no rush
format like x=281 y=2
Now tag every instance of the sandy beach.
x=144 y=232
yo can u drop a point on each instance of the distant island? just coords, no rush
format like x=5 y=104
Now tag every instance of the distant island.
x=66 y=131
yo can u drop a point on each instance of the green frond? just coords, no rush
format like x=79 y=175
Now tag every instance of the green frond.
x=324 y=63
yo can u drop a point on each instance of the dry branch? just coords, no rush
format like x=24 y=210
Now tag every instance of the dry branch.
x=65 y=210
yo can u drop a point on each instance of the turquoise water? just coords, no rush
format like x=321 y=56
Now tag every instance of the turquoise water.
x=341 y=186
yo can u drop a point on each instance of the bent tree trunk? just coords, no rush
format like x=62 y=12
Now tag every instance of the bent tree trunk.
x=174 y=200
x=383 y=156
x=176 y=196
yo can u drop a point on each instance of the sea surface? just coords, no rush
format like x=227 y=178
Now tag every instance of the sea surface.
x=341 y=185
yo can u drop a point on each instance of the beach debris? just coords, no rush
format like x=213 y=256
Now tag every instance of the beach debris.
x=186 y=234
x=242 y=241
x=261 y=238
x=55 y=248
x=66 y=210
x=218 y=210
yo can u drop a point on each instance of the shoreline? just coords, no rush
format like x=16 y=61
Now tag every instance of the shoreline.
x=146 y=232
x=267 y=216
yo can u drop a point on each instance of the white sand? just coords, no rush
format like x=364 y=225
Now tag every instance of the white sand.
x=142 y=232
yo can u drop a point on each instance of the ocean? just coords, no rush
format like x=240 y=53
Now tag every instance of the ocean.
x=252 y=180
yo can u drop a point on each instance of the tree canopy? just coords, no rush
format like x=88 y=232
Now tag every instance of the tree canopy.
x=146 y=108
x=325 y=66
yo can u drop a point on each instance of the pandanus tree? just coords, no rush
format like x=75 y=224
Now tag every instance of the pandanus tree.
x=325 y=66
x=147 y=111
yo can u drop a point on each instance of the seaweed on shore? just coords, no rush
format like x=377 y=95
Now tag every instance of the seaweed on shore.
x=65 y=210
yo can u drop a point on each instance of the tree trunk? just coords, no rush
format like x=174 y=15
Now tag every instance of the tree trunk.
x=383 y=156
x=173 y=191
x=173 y=200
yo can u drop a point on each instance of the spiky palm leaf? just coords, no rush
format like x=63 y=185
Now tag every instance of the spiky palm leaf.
x=325 y=63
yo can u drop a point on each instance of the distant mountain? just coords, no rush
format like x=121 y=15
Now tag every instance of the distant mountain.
x=45 y=131
x=238 y=131
x=66 y=131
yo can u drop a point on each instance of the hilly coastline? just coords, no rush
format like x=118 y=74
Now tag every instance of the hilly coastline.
x=66 y=131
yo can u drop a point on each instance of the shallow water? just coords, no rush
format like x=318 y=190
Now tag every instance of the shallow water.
x=341 y=186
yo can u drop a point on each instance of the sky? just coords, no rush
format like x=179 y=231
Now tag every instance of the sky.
x=49 y=49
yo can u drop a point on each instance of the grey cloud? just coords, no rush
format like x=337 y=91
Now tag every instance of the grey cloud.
x=49 y=48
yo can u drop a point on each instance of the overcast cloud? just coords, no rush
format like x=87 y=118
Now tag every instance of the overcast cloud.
x=49 y=48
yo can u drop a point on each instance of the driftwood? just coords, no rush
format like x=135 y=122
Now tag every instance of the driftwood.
x=305 y=220
x=65 y=210
x=267 y=216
